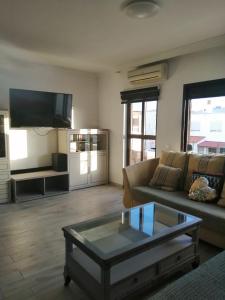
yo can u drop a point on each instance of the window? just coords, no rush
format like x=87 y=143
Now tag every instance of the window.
x=211 y=150
x=222 y=150
x=141 y=126
x=141 y=131
x=204 y=117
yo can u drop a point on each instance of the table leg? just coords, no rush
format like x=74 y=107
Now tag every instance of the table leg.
x=195 y=239
x=68 y=250
x=105 y=280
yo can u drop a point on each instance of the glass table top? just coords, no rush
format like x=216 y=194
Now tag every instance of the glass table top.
x=113 y=234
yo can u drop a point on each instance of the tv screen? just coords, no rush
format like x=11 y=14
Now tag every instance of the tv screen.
x=40 y=109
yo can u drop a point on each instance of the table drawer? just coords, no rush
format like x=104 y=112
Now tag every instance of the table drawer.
x=125 y=287
x=177 y=258
x=4 y=176
x=4 y=165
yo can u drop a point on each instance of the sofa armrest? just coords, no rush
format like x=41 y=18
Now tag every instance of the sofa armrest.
x=137 y=174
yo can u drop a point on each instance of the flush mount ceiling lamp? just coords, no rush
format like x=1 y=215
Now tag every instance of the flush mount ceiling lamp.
x=140 y=9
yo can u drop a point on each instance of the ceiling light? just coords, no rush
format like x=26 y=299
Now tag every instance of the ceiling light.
x=140 y=9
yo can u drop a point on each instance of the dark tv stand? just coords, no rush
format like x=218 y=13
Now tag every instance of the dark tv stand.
x=35 y=185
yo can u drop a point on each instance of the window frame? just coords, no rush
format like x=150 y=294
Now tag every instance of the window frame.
x=202 y=89
x=141 y=136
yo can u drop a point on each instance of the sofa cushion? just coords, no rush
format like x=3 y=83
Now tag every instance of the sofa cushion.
x=166 y=178
x=213 y=216
x=175 y=160
x=210 y=164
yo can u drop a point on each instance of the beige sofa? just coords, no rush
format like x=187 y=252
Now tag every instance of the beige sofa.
x=137 y=192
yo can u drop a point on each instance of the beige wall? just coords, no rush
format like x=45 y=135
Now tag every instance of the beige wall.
x=196 y=67
x=83 y=86
x=111 y=117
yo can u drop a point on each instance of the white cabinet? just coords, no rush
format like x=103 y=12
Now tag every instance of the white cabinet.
x=4 y=158
x=87 y=151
x=78 y=169
x=98 y=167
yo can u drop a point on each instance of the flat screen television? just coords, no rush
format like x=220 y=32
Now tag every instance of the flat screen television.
x=40 y=109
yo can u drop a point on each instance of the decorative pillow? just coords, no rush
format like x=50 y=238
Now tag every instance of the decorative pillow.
x=175 y=160
x=208 y=164
x=200 y=191
x=215 y=180
x=166 y=178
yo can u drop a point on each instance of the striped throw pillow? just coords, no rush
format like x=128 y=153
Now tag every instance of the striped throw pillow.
x=166 y=178
x=175 y=160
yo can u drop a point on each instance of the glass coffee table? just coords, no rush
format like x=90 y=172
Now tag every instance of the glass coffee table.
x=121 y=254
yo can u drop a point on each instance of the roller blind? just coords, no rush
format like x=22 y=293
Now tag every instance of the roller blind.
x=205 y=89
x=139 y=95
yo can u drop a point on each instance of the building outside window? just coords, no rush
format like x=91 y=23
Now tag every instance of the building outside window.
x=195 y=126
x=211 y=125
x=216 y=126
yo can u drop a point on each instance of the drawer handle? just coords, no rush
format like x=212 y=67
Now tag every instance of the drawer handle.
x=178 y=257
x=135 y=280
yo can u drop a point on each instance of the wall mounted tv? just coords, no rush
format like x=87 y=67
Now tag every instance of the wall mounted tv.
x=40 y=109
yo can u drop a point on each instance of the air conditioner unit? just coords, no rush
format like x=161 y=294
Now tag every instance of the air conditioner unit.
x=151 y=74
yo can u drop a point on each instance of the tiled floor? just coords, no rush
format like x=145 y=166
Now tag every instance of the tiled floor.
x=32 y=243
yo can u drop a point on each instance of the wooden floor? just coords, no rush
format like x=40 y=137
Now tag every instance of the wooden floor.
x=32 y=243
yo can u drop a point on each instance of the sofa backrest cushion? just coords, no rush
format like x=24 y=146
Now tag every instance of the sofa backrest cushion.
x=175 y=160
x=166 y=178
x=208 y=164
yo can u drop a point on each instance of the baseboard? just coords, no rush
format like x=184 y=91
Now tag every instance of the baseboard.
x=116 y=184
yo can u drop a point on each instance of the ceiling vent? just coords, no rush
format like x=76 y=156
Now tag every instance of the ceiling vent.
x=146 y=75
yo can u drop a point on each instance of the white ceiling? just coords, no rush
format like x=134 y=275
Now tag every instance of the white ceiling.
x=95 y=34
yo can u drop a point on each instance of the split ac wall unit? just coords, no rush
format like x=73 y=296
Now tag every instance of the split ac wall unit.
x=151 y=74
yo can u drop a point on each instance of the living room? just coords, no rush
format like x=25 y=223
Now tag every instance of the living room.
x=76 y=49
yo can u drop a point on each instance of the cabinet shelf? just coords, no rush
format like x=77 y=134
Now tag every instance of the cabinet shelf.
x=30 y=186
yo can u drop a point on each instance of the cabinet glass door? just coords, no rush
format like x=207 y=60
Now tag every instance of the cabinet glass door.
x=79 y=143
x=2 y=137
x=98 y=142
